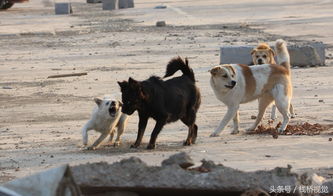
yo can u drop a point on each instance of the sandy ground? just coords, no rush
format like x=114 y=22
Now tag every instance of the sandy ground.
x=41 y=119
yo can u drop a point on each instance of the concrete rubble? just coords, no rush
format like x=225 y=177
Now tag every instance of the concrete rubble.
x=177 y=175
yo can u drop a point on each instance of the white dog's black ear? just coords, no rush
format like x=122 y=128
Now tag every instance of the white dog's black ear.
x=98 y=101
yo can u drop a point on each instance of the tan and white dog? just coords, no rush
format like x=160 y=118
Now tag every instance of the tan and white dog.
x=264 y=54
x=234 y=84
x=105 y=118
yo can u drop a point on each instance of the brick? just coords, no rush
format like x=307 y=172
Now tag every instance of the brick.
x=122 y=4
x=110 y=4
x=94 y=1
x=63 y=8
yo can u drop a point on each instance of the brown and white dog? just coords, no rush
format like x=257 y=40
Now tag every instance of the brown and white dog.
x=234 y=84
x=264 y=54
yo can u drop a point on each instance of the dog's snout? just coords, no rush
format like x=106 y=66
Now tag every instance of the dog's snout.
x=260 y=61
x=233 y=83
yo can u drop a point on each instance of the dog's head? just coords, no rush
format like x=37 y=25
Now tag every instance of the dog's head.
x=224 y=75
x=108 y=106
x=263 y=54
x=132 y=94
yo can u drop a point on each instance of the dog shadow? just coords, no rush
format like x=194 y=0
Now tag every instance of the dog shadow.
x=125 y=148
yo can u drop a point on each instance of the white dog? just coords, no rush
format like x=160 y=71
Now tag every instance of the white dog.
x=105 y=118
x=235 y=84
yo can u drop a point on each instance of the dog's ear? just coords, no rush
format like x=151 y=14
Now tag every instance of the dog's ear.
x=272 y=51
x=122 y=84
x=98 y=101
x=133 y=83
x=253 y=51
x=231 y=69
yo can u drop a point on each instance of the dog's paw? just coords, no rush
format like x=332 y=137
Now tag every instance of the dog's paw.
x=116 y=144
x=280 y=130
x=151 y=146
x=234 y=132
x=90 y=148
x=273 y=118
x=214 y=135
x=187 y=143
x=134 y=146
x=292 y=115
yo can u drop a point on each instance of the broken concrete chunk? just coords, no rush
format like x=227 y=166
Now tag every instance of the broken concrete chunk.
x=182 y=159
x=131 y=173
x=329 y=185
x=160 y=24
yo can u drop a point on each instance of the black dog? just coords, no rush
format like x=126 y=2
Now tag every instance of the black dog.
x=165 y=101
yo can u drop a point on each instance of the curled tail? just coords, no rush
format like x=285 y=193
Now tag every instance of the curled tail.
x=282 y=54
x=176 y=64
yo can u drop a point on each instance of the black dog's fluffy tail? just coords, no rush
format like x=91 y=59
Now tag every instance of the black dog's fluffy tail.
x=176 y=64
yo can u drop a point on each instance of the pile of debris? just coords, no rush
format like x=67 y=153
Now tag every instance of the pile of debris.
x=176 y=176
x=297 y=129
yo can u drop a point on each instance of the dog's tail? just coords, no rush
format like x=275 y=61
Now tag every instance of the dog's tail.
x=178 y=64
x=282 y=54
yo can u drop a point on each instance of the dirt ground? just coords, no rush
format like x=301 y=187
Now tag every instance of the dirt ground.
x=41 y=119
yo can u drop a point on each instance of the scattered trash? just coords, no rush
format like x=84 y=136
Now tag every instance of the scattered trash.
x=7 y=87
x=68 y=75
x=253 y=117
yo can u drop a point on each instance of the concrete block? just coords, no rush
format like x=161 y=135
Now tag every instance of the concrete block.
x=236 y=54
x=63 y=8
x=122 y=4
x=160 y=23
x=130 y=3
x=94 y=1
x=110 y=4
x=302 y=55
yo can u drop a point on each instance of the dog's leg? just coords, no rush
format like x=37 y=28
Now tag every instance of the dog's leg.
x=158 y=127
x=142 y=127
x=98 y=141
x=121 y=127
x=111 y=135
x=85 y=130
x=189 y=120
x=265 y=100
x=273 y=113
x=291 y=110
x=194 y=133
x=236 y=123
x=282 y=103
x=232 y=110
